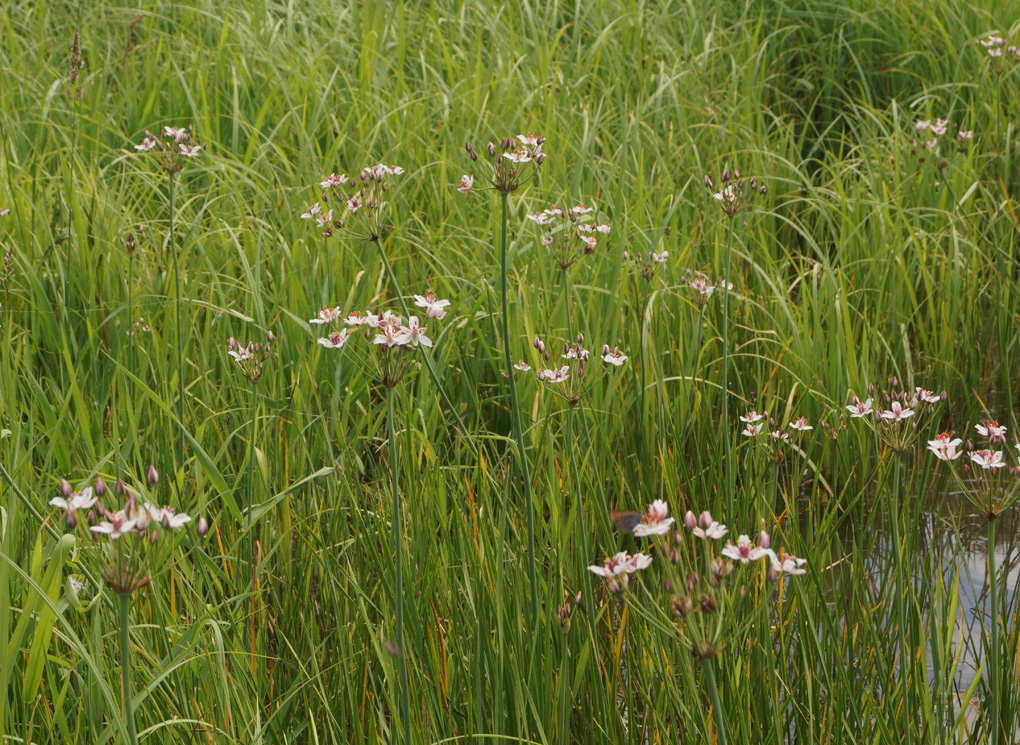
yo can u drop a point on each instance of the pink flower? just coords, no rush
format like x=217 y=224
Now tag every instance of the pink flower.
x=554 y=376
x=118 y=524
x=82 y=500
x=922 y=125
x=944 y=447
x=612 y=567
x=178 y=133
x=434 y=308
x=965 y=134
x=727 y=194
x=413 y=334
x=788 y=565
x=992 y=430
x=579 y=209
x=518 y=156
x=589 y=241
x=897 y=413
x=546 y=239
x=312 y=212
x=637 y=562
x=146 y=145
x=353 y=205
x=522 y=366
x=554 y=212
x=529 y=140
x=613 y=356
x=656 y=522
x=190 y=151
x=752 y=430
x=744 y=551
x=327 y=315
x=708 y=528
x=660 y=258
x=859 y=409
x=324 y=220
x=927 y=396
x=466 y=182
x=751 y=417
x=939 y=127
x=801 y=425
x=333 y=181
x=390 y=337
x=603 y=228
x=988 y=458
x=335 y=340
x=540 y=218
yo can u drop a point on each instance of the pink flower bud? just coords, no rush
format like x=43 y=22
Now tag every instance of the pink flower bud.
x=705 y=520
x=203 y=525
x=763 y=540
x=65 y=488
x=71 y=519
x=153 y=476
x=690 y=522
x=100 y=488
x=120 y=488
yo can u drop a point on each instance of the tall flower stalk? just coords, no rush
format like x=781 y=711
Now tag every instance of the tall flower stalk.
x=513 y=163
x=171 y=152
x=734 y=196
x=389 y=350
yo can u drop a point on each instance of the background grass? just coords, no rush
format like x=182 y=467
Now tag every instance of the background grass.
x=859 y=264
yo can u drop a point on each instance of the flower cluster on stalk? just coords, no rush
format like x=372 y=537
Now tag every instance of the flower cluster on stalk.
x=172 y=149
x=774 y=441
x=904 y=413
x=573 y=377
x=129 y=534
x=251 y=358
x=648 y=265
x=702 y=288
x=933 y=136
x=360 y=203
x=511 y=163
x=735 y=194
x=389 y=341
x=569 y=234
x=986 y=478
x=709 y=596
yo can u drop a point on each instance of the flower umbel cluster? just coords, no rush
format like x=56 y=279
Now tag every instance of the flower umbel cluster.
x=573 y=377
x=250 y=359
x=172 y=149
x=360 y=203
x=129 y=535
x=898 y=423
x=512 y=163
x=702 y=288
x=932 y=134
x=389 y=342
x=762 y=430
x=735 y=194
x=568 y=233
x=987 y=479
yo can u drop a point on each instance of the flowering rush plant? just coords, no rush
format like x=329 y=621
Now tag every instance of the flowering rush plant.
x=129 y=537
x=569 y=234
x=511 y=163
x=904 y=413
x=647 y=265
x=933 y=133
x=171 y=149
x=251 y=359
x=735 y=194
x=387 y=341
x=986 y=477
x=708 y=595
x=360 y=203
x=702 y=288
x=573 y=377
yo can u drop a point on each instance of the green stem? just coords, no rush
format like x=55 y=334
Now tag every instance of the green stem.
x=395 y=287
x=563 y=730
x=125 y=667
x=515 y=415
x=713 y=697
x=994 y=725
x=405 y=707
x=901 y=588
x=180 y=338
x=726 y=372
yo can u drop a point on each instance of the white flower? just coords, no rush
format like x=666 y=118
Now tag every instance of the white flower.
x=751 y=417
x=335 y=340
x=522 y=366
x=413 y=334
x=554 y=376
x=82 y=500
x=944 y=447
x=466 y=182
x=312 y=212
x=661 y=258
x=922 y=125
x=518 y=156
x=897 y=413
x=333 y=181
x=190 y=151
x=988 y=458
x=752 y=430
x=324 y=220
x=727 y=194
x=744 y=551
x=147 y=144
x=801 y=425
x=789 y=565
x=613 y=356
x=540 y=218
x=434 y=308
x=859 y=408
x=327 y=315
x=178 y=133
x=656 y=522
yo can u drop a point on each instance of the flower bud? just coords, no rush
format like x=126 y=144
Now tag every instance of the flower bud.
x=492 y=150
x=690 y=522
x=153 y=476
x=203 y=525
x=270 y=336
x=153 y=537
x=100 y=488
x=705 y=520
x=65 y=488
x=90 y=518
x=678 y=537
x=71 y=519
x=120 y=488
x=761 y=189
x=708 y=181
x=763 y=540
x=674 y=557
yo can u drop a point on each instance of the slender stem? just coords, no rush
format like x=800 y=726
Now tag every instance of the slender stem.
x=713 y=697
x=901 y=587
x=563 y=728
x=994 y=725
x=180 y=338
x=589 y=598
x=516 y=417
x=395 y=287
x=405 y=707
x=726 y=372
x=252 y=411
x=125 y=667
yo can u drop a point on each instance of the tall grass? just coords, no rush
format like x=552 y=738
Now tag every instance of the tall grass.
x=860 y=264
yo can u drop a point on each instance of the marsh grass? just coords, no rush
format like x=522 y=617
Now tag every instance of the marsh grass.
x=859 y=264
